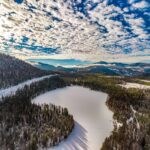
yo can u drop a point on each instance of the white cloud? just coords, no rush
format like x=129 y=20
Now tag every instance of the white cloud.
x=141 y=4
x=72 y=36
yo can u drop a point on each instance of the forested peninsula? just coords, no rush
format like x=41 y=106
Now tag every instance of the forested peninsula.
x=27 y=126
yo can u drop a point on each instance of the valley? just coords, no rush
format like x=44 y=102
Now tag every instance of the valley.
x=74 y=74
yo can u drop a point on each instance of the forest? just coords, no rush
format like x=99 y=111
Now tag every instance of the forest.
x=14 y=71
x=27 y=126
x=131 y=108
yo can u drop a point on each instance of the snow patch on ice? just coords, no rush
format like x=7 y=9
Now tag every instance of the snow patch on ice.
x=135 y=85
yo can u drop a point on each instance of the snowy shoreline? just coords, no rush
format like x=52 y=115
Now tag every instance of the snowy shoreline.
x=12 y=90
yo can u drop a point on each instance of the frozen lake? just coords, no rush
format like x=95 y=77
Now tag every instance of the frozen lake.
x=93 y=120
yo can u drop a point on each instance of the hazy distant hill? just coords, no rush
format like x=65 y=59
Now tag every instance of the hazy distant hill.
x=134 y=69
x=13 y=71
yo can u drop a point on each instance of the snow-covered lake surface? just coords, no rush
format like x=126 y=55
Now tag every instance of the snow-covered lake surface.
x=12 y=90
x=93 y=120
x=135 y=85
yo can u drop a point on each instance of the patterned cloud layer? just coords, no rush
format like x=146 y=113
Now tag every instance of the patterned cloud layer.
x=110 y=30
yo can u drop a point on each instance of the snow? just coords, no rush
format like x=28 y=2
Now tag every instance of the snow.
x=12 y=90
x=130 y=120
x=134 y=116
x=93 y=120
x=135 y=85
x=117 y=124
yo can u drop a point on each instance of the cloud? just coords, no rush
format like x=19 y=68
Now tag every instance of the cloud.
x=141 y=4
x=91 y=30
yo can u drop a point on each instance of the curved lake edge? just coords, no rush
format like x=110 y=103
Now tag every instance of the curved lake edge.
x=77 y=125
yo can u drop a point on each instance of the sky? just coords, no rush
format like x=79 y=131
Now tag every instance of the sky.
x=85 y=30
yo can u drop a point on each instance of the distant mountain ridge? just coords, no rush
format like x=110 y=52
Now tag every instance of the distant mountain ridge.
x=137 y=64
x=114 y=68
x=14 y=71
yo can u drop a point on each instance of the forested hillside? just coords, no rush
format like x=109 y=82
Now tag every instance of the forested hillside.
x=14 y=71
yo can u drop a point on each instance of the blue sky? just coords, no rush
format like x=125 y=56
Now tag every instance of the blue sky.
x=85 y=30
